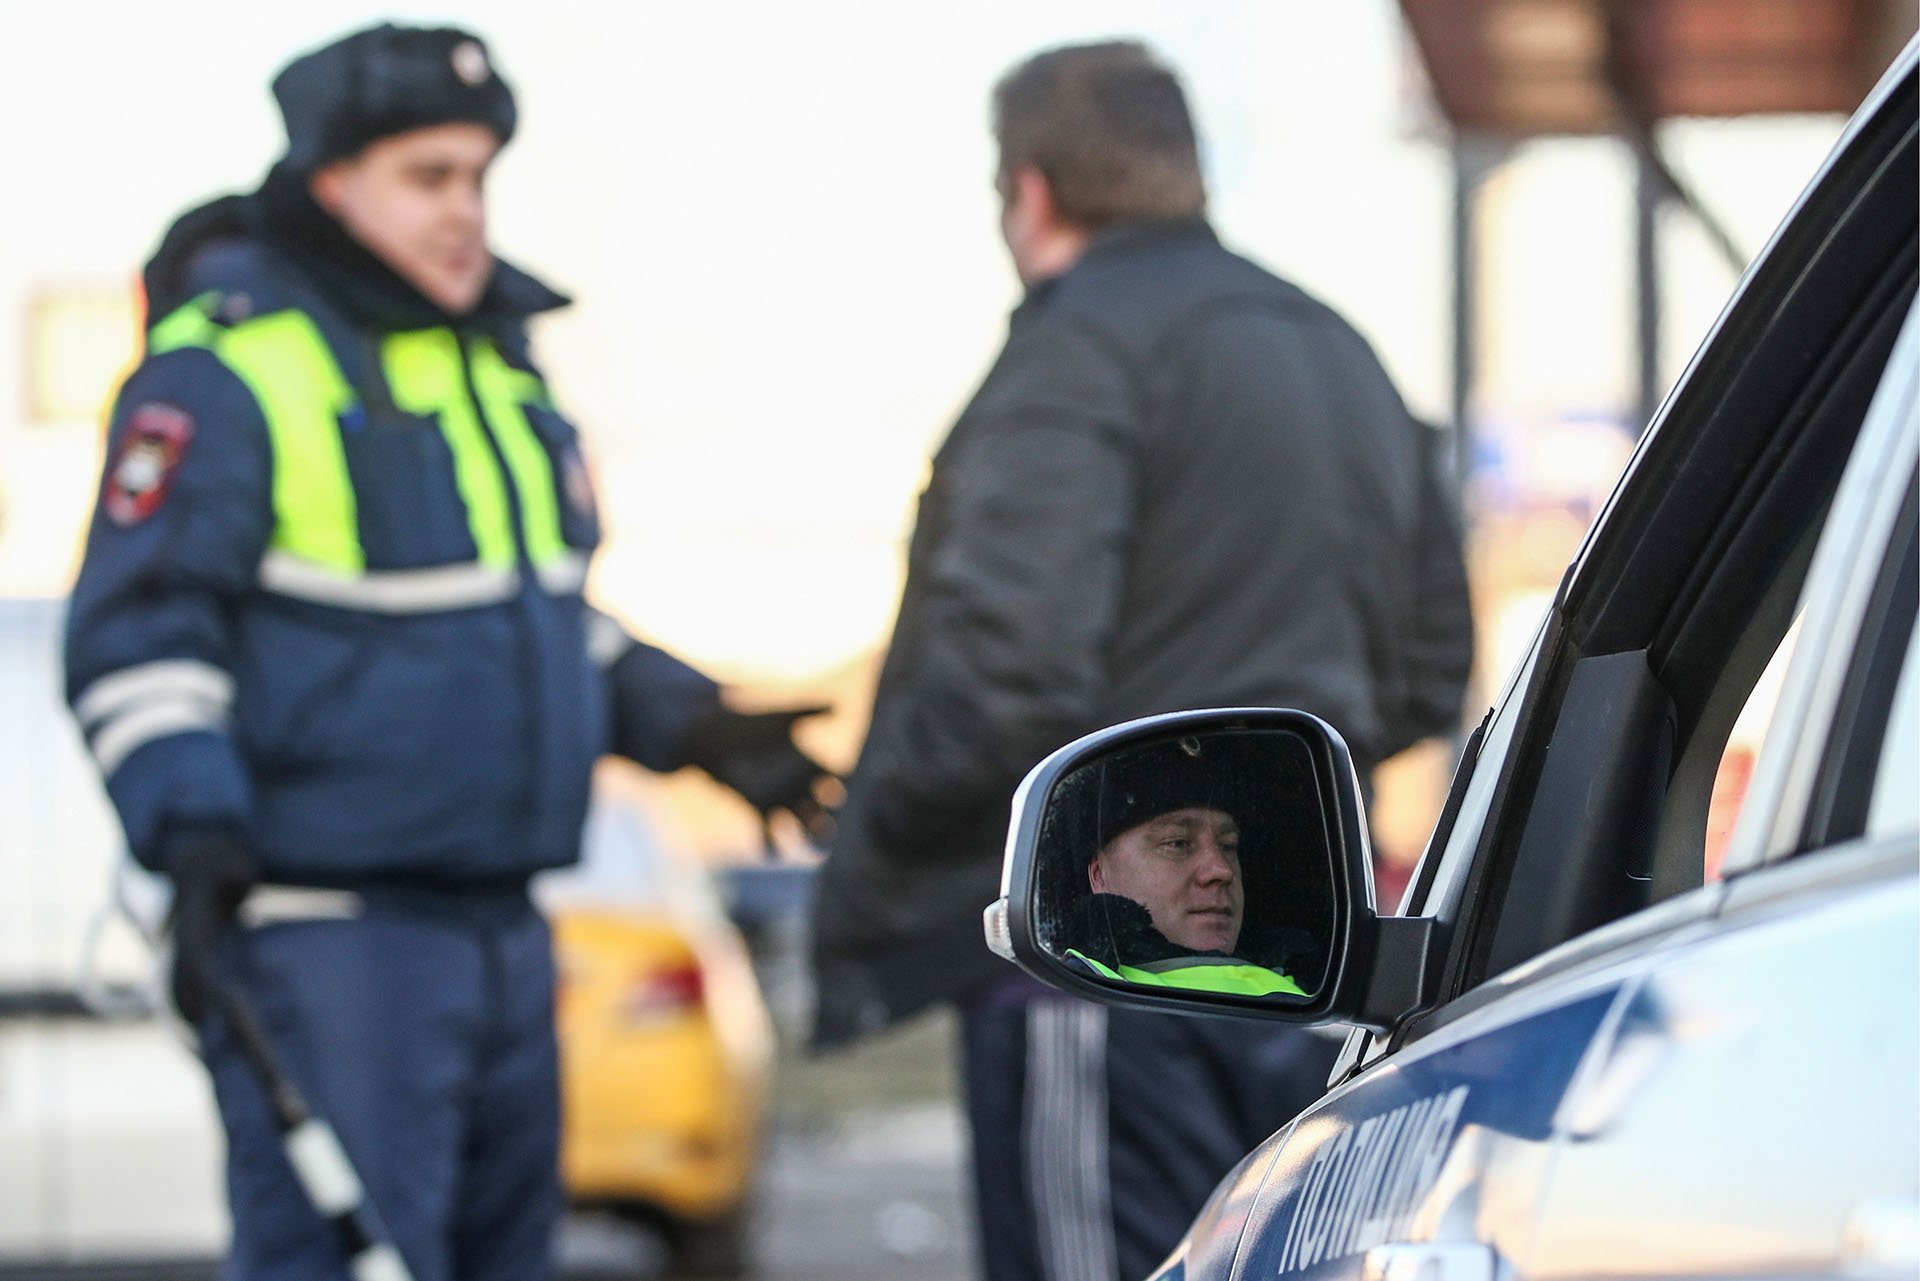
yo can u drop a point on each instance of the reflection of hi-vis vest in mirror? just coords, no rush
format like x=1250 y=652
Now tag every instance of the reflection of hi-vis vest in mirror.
x=1196 y=973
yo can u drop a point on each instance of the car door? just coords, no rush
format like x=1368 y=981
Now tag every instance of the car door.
x=1753 y=1107
x=1575 y=1102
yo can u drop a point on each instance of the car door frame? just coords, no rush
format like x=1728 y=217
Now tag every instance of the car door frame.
x=1465 y=876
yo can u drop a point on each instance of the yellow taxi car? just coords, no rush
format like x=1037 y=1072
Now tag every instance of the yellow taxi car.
x=666 y=1046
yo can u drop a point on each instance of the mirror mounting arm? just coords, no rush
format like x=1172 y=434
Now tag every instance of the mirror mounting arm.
x=1407 y=951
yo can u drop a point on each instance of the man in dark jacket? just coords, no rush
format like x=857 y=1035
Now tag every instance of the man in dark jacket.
x=329 y=649
x=1184 y=483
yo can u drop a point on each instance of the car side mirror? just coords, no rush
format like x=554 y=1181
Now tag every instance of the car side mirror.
x=1212 y=859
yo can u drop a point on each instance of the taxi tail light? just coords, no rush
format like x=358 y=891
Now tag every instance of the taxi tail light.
x=674 y=988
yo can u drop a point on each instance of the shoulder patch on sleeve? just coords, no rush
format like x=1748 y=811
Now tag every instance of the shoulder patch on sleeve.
x=142 y=472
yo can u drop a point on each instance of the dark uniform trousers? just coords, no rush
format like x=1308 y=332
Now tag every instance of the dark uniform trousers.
x=420 y=1025
x=1100 y=1132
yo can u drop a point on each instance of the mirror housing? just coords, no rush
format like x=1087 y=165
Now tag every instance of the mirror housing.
x=1296 y=841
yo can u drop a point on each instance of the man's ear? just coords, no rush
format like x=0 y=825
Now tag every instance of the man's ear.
x=1042 y=242
x=1097 y=877
x=327 y=186
x=1033 y=197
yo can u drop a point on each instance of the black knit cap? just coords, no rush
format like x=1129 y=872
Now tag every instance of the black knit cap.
x=1150 y=781
x=383 y=81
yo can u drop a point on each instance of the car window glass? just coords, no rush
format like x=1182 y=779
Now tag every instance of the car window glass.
x=1896 y=785
x=1675 y=609
x=1735 y=771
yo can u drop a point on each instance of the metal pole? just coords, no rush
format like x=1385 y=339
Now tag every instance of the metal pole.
x=1474 y=158
x=1650 y=192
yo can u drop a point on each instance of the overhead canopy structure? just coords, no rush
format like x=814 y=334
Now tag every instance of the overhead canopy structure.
x=1504 y=71
x=1522 y=68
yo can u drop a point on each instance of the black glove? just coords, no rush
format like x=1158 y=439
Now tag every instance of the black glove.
x=754 y=754
x=211 y=872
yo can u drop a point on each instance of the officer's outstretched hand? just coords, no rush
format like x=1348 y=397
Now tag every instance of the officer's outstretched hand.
x=754 y=754
x=211 y=872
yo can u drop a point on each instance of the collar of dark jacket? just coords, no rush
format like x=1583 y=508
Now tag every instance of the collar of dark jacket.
x=1120 y=240
x=283 y=215
x=1127 y=237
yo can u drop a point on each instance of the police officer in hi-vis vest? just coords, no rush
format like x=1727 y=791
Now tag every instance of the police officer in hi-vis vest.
x=329 y=649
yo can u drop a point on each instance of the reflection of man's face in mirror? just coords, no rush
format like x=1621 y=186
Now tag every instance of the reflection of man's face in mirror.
x=1184 y=868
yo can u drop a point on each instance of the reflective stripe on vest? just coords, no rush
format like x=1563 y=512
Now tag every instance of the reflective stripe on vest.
x=414 y=591
x=315 y=551
x=1201 y=974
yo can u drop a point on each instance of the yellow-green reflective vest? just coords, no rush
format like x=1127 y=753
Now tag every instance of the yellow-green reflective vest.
x=1200 y=974
x=315 y=551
